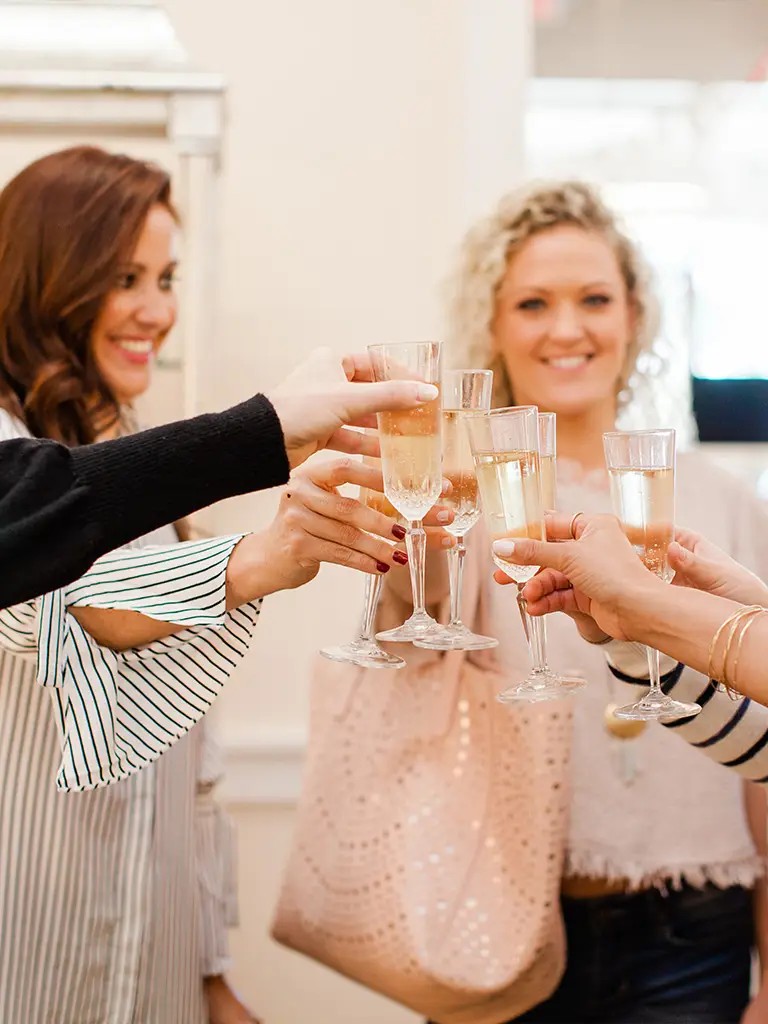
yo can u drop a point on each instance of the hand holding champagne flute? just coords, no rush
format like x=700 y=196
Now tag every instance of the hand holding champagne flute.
x=505 y=446
x=641 y=469
x=411 y=462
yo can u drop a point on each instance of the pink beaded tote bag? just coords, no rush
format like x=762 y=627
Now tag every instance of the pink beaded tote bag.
x=428 y=848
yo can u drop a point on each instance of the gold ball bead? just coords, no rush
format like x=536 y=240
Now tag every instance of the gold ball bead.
x=621 y=728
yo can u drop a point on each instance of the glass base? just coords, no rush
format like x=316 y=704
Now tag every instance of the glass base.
x=456 y=638
x=540 y=686
x=417 y=627
x=652 y=707
x=365 y=653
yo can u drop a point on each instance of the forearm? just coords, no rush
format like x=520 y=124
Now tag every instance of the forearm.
x=62 y=508
x=682 y=622
x=750 y=590
x=730 y=733
x=250 y=574
x=137 y=483
x=119 y=630
x=757 y=816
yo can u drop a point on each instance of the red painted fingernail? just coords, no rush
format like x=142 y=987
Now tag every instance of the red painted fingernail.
x=400 y=557
x=398 y=531
x=382 y=567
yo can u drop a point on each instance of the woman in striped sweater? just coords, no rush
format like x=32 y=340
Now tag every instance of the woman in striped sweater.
x=114 y=900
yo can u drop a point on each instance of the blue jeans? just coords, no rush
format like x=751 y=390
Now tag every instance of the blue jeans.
x=651 y=958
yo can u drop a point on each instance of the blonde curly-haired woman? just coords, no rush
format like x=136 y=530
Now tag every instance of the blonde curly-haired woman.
x=662 y=893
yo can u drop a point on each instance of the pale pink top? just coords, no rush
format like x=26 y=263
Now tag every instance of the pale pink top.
x=654 y=809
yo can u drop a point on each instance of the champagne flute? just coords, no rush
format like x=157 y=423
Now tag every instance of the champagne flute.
x=536 y=630
x=364 y=650
x=505 y=447
x=464 y=393
x=641 y=469
x=411 y=464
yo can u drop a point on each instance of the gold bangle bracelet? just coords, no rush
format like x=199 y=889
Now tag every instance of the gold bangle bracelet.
x=747 y=622
x=732 y=621
x=711 y=669
x=738 y=624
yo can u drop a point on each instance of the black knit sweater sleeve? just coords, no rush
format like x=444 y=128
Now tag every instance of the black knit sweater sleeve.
x=62 y=508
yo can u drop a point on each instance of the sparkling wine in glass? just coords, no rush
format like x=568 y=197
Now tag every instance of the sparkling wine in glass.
x=411 y=464
x=364 y=650
x=464 y=393
x=505 y=446
x=547 y=422
x=641 y=469
x=536 y=629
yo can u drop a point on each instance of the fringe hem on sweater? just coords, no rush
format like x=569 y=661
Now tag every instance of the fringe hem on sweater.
x=591 y=864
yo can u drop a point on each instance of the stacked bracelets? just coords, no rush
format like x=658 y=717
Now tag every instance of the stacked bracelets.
x=739 y=624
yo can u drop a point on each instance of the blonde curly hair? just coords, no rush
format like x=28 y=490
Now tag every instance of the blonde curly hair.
x=483 y=262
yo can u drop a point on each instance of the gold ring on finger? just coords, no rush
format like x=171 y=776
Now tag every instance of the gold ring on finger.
x=574 y=517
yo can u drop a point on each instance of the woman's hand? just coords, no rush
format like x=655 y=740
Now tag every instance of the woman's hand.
x=326 y=394
x=434 y=522
x=701 y=564
x=223 y=1005
x=593 y=574
x=316 y=524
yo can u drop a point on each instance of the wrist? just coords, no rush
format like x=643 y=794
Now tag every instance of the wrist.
x=598 y=640
x=286 y=412
x=589 y=630
x=752 y=591
x=251 y=573
x=639 y=605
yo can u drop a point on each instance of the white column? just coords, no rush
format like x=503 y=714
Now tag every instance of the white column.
x=195 y=130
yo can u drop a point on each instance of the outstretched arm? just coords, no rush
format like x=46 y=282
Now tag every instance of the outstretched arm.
x=598 y=575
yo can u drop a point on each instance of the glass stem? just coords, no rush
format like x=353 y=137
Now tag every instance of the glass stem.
x=416 y=543
x=535 y=633
x=373 y=585
x=654 y=673
x=456 y=571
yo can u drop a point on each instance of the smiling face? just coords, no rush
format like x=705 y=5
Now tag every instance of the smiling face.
x=138 y=311
x=563 y=322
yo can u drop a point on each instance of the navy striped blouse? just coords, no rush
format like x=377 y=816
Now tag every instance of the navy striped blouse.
x=732 y=733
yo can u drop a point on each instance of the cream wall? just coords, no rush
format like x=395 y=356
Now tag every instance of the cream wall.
x=361 y=136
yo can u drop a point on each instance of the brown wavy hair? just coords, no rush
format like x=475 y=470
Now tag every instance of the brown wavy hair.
x=67 y=222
